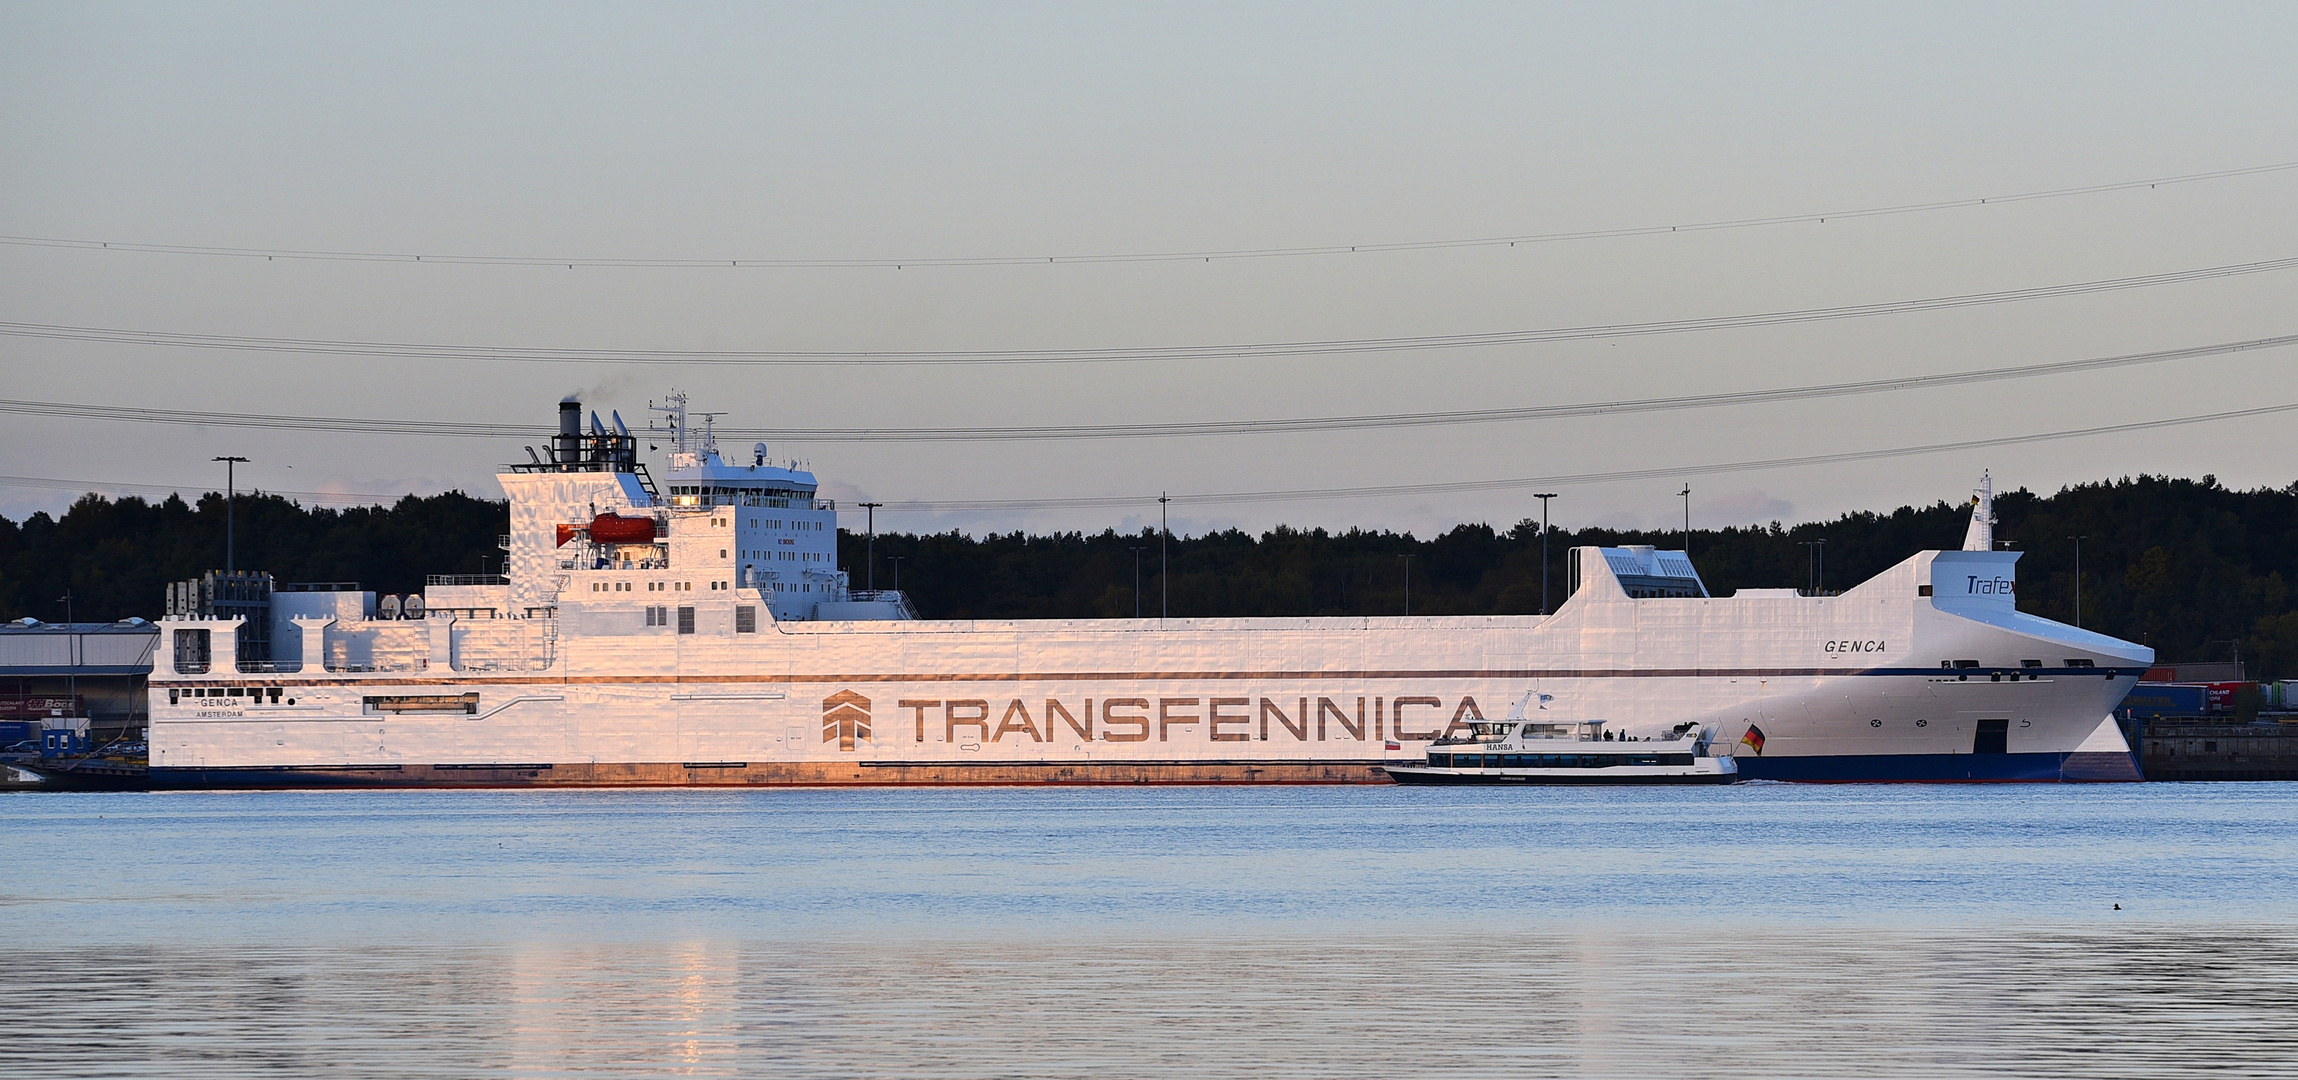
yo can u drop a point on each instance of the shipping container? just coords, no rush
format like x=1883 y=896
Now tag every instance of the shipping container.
x=2167 y=699
x=2221 y=695
x=26 y=708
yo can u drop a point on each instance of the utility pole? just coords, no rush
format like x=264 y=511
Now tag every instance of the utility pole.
x=2079 y=578
x=870 y=575
x=230 y=495
x=1544 y=497
x=1407 y=583
x=1164 y=589
x=1137 y=580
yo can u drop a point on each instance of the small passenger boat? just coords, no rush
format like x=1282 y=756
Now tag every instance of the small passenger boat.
x=1521 y=751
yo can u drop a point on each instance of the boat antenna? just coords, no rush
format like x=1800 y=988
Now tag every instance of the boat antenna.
x=673 y=410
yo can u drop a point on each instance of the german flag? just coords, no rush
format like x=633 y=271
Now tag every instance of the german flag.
x=1753 y=740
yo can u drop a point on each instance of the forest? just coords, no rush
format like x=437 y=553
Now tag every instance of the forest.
x=2196 y=570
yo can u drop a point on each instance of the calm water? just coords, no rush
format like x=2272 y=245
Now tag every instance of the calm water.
x=1762 y=930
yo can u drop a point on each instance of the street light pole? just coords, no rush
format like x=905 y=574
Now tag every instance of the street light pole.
x=72 y=685
x=2079 y=578
x=1164 y=586
x=230 y=495
x=1544 y=497
x=1815 y=552
x=897 y=561
x=1407 y=583
x=1687 y=494
x=870 y=574
x=1137 y=580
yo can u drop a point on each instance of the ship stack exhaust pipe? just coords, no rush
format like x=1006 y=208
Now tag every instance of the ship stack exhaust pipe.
x=568 y=449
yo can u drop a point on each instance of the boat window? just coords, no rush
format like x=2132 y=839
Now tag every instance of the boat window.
x=1439 y=761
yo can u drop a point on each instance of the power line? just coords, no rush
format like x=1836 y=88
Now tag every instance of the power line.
x=1615 y=476
x=1346 y=346
x=1385 y=490
x=463 y=429
x=1209 y=255
x=332 y=498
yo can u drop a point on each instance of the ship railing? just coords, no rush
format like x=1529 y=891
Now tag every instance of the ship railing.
x=465 y=579
x=900 y=600
x=419 y=664
x=262 y=667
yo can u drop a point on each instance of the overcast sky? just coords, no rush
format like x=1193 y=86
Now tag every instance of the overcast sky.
x=945 y=131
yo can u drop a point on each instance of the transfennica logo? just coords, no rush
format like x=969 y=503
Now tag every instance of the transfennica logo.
x=845 y=717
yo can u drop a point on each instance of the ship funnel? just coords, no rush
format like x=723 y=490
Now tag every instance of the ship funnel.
x=596 y=428
x=566 y=447
x=1981 y=535
x=619 y=427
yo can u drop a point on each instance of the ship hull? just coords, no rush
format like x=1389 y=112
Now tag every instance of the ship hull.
x=2071 y=767
x=775 y=774
x=2102 y=767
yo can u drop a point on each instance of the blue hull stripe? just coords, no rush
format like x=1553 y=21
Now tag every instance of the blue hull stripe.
x=1940 y=768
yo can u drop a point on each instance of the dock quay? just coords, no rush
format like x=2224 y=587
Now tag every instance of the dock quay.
x=2217 y=748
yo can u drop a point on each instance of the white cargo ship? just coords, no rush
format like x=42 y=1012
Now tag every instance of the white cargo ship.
x=705 y=635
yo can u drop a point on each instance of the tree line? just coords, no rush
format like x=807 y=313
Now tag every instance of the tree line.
x=2194 y=569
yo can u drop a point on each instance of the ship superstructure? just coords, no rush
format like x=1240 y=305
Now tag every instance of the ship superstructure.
x=703 y=633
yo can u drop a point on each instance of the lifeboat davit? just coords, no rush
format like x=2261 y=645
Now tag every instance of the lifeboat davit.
x=612 y=529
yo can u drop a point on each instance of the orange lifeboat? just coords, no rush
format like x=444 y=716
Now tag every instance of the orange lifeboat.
x=612 y=529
